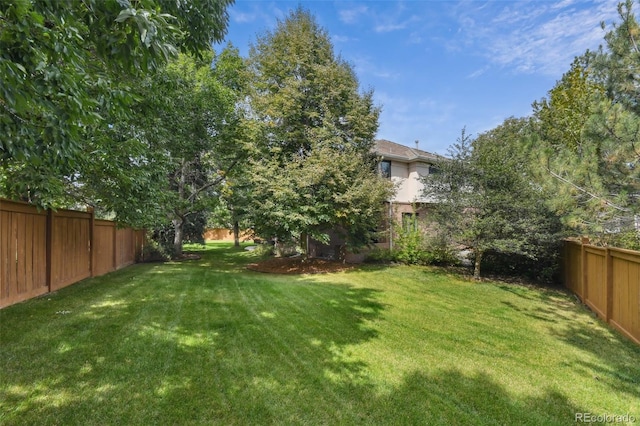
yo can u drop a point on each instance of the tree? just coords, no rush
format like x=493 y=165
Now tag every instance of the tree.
x=64 y=64
x=318 y=192
x=195 y=120
x=618 y=65
x=571 y=103
x=485 y=198
x=316 y=172
x=588 y=153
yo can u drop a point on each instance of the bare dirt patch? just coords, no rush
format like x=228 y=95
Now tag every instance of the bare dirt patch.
x=299 y=265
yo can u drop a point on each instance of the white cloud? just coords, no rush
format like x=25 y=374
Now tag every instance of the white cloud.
x=534 y=37
x=350 y=16
x=241 y=17
x=342 y=39
x=364 y=65
x=479 y=72
x=404 y=121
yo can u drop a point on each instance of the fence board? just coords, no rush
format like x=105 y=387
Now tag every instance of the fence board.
x=573 y=267
x=125 y=246
x=70 y=256
x=626 y=293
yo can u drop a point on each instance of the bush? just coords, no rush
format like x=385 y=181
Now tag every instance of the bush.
x=543 y=270
x=379 y=255
x=264 y=249
x=414 y=247
x=439 y=252
x=629 y=240
x=410 y=247
x=152 y=251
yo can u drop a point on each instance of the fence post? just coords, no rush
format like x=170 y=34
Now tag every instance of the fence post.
x=92 y=245
x=114 y=255
x=609 y=283
x=583 y=275
x=48 y=248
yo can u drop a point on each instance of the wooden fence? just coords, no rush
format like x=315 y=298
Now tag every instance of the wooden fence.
x=44 y=250
x=223 y=234
x=607 y=280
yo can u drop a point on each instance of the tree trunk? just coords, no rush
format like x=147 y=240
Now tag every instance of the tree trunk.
x=476 y=264
x=236 y=234
x=178 y=229
x=178 y=222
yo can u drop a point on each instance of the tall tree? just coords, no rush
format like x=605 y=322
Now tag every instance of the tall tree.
x=195 y=119
x=62 y=64
x=316 y=172
x=588 y=154
x=485 y=198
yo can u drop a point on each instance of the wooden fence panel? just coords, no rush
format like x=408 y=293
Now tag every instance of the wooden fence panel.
x=103 y=246
x=43 y=251
x=125 y=247
x=610 y=282
x=573 y=267
x=23 y=273
x=70 y=248
x=625 y=303
x=139 y=244
x=595 y=284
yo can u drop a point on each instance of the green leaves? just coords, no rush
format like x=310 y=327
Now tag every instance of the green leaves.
x=587 y=156
x=315 y=173
x=64 y=66
x=487 y=199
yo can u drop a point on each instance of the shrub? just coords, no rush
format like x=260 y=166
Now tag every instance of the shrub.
x=545 y=269
x=152 y=251
x=438 y=251
x=379 y=255
x=410 y=247
x=264 y=249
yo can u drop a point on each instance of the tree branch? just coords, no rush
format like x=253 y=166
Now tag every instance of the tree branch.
x=592 y=195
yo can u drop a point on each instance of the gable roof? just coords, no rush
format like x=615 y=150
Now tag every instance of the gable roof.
x=394 y=151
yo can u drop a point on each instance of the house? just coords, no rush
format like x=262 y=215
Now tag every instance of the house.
x=404 y=166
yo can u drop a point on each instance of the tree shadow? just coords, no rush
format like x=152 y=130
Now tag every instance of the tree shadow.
x=573 y=323
x=192 y=343
x=617 y=358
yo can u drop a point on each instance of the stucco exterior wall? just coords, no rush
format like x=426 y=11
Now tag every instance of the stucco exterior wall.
x=407 y=177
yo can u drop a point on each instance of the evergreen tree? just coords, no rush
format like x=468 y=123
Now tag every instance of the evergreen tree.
x=486 y=200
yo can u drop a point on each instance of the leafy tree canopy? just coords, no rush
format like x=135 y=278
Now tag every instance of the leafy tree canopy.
x=316 y=171
x=486 y=200
x=65 y=65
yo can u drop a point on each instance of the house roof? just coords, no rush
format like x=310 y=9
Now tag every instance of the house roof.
x=395 y=151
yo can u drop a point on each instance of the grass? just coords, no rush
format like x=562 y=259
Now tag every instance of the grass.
x=207 y=342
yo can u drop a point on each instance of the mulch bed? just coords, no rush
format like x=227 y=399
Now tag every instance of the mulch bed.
x=298 y=265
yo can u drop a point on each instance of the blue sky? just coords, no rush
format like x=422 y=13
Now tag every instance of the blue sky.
x=438 y=66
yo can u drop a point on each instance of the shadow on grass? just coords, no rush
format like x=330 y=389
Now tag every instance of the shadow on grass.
x=192 y=343
x=616 y=358
x=573 y=323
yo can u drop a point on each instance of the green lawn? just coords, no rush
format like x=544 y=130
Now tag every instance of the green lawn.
x=207 y=342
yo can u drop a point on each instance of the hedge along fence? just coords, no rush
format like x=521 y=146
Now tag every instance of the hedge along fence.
x=606 y=279
x=44 y=250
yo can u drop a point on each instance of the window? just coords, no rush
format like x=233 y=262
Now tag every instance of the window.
x=433 y=169
x=410 y=222
x=385 y=169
